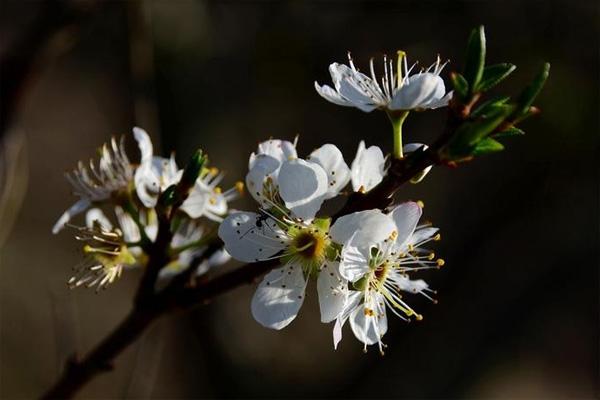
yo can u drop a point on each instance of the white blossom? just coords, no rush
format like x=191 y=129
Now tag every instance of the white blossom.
x=154 y=174
x=378 y=267
x=97 y=183
x=397 y=89
x=207 y=198
x=278 y=176
x=304 y=249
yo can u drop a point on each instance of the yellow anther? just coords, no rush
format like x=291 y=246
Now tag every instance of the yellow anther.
x=431 y=256
x=88 y=249
x=212 y=201
x=420 y=204
x=411 y=247
x=440 y=262
x=213 y=170
x=437 y=237
x=394 y=235
x=239 y=186
x=368 y=312
x=418 y=317
x=218 y=190
x=362 y=190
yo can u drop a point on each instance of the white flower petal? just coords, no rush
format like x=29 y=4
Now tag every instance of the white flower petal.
x=413 y=286
x=356 y=95
x=330 y=158
x=333 y=292
x=353 y=86
x=328 y=93
x=419 y=91
x=281 y=150
x=219 y=258
x=367 y=168
x=96 y=214
x=411 y=147
x=144 y=144
x=352 y=302
x=369 y=328
x=166 y=170
x=355 y=261
x=131 y=232
x=147 y=183
x=421 y=234
x=197 y=202
x=406 y=217
x=279 y=297
x=247 y=242
x=77 y=208
x=368 y=227
x=302 y=186
x=263 y=167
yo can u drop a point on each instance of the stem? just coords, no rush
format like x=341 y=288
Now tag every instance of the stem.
x=397 y=120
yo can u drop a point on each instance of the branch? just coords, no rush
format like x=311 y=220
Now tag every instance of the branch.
x=78 y=373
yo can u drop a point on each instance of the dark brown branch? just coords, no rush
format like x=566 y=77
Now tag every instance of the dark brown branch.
x=78 y=372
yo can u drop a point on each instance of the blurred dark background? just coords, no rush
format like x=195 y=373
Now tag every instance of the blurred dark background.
x=518 y=298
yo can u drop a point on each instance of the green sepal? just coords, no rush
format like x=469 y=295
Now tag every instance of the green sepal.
x=322 y=223
x=489 y=106
x=512 y=131
x=486 y=146
x=333 y=251
x=460 y=84
x=528 y=95
x=493 y=75
x=475 y=59
x=360 y=284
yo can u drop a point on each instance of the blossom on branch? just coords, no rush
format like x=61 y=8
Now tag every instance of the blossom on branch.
x=396 y=91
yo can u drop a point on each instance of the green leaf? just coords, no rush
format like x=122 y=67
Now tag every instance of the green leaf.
x=530 y=93
x=493 y=75
x=469 y=134
x=461 y=87
x=512 y=131
x=475 y=59
x=193 y=168
x=486 y=146
x=489 y=106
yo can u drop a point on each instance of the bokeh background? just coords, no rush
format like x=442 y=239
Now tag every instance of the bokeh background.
x=518 y=298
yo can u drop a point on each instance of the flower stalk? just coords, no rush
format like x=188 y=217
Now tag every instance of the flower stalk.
x=397 y=120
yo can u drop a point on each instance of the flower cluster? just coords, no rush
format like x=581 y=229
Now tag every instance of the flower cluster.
x=361 y=261
x=131 y=191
